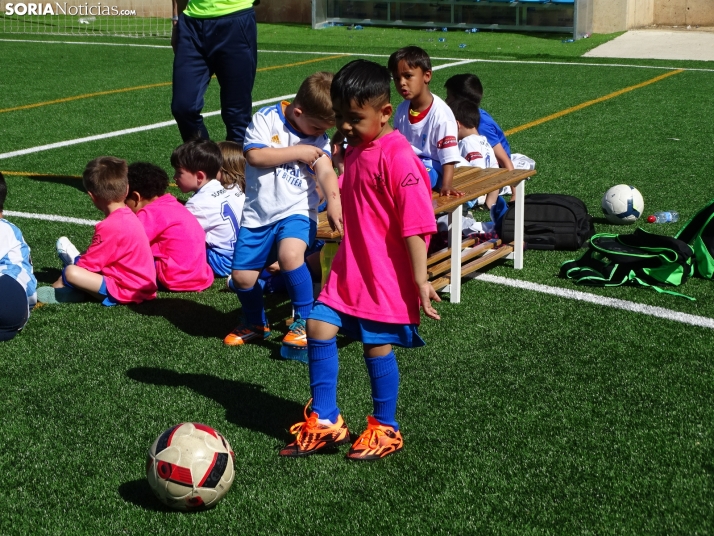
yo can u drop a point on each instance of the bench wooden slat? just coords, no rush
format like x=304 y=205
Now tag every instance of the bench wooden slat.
x=490 y=183
x=482 y=261
x=479 y=250
x=446 y=252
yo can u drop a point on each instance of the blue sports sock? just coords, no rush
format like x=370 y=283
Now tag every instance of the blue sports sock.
x=252 y=302
x=384 y=377
x=323 y=366
x=299 y=284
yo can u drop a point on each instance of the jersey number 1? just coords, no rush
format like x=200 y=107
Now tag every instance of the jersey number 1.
x=228 y=214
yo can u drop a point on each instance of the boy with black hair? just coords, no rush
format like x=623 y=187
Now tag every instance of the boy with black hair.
x=18 y=286
x=285 y=146
x=118 y=266
x=177 y=240
x=218 y=210
x=468 y=86
x=424 y=119
x=473 y=147
x=378 y=278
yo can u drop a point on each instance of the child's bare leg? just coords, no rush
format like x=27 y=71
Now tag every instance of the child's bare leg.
x=245 y=279
x=82 y=279
x=491 y=198
x=291 y=253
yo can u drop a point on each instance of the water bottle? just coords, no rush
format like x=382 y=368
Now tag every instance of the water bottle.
x=666 y=217
x=327 y=253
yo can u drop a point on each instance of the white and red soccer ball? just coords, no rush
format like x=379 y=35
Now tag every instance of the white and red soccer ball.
x=622 y=204
x=190 y=466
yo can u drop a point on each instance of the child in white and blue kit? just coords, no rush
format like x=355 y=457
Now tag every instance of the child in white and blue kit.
x=287 y=154
x=18 y=286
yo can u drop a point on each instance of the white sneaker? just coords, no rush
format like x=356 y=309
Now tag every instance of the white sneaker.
x=66 y=251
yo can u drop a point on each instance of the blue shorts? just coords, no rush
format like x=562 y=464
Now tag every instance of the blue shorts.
x=368 y=331
x=434 y=170
x=220 y=261
x=108 y=301
x=257 y=247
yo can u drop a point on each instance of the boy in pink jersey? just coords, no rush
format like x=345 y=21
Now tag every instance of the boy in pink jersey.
x=178 y=242
x=379 y=277
x=118 y=267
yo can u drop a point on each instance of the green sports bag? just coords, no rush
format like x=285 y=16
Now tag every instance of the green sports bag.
x=699 y=232
x=640 y=258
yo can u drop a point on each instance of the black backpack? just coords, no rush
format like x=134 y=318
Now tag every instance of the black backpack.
x=699 y=232
x=641 y=258
x=552 y=221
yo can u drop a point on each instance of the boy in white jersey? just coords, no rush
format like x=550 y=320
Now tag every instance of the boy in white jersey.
x=216 y=208
x=18 y=286
x=287 y=153
x=423 y=118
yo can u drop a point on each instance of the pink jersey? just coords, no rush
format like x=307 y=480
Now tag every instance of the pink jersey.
x=178 y=244
x=121 y=253
x=386 y=197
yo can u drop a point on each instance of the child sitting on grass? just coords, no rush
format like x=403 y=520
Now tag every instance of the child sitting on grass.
x=17 y=282
x=118 y=266
x=424 y=119
x=285 y=146
x=177 y=240
x=197 y=164
x=378 y=278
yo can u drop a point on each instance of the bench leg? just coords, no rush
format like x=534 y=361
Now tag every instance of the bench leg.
x=519 y=221
x=456 y=228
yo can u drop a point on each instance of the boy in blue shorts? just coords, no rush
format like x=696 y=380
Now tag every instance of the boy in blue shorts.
x=287 y=153
x=424 y=119
x=18 y=286
x=378 y=278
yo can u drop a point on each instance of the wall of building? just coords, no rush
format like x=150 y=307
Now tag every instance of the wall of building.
x=684 y=12
x=297 y=11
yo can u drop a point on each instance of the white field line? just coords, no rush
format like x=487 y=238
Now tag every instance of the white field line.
x=321 y=53
x=144 y=128
x=49 y=217
x=116 y=133
x=659 y=312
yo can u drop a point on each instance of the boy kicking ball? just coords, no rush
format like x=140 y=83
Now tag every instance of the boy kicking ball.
x=378 y=279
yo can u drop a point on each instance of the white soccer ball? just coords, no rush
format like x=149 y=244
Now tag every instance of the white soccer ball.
x=190 y=466
x=622 y=204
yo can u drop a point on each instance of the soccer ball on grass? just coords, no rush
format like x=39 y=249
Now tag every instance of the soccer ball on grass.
x=622 y=204
x=190 y=467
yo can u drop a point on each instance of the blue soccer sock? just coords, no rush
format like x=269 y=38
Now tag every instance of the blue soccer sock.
x=299 y=285
x=323 y=366
x=252 y=302
x=384 y=377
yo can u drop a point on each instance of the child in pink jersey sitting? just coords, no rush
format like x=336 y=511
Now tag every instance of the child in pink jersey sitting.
x=378 y=279
x=118 y=267
x=178 y=242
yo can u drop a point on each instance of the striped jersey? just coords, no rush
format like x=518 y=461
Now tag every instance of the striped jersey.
x=15 y=259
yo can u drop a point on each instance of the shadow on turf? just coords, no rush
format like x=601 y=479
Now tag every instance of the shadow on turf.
x=47 y=275
x=74 y=182
x=247 y=405
x=191 y=317
x=139 y=493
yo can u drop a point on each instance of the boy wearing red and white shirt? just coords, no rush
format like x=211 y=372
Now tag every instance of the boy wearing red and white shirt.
x=424 y=119
x=378 y=278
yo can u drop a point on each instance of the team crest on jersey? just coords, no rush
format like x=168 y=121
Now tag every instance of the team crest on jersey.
x=475 y=155
x=379 y=183
x=446 y=142
x=96 y=239
x=423 y=140
x=275 y=138
x=410 y=180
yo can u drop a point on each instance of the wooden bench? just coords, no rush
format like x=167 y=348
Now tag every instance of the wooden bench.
x=447 y=266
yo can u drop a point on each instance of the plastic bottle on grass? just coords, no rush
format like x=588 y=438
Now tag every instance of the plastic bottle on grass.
x=666 y=216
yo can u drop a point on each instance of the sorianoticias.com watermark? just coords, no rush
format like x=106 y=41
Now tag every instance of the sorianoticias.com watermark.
x=57 y=8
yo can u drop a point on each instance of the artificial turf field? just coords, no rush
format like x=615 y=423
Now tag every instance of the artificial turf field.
x=525 y=413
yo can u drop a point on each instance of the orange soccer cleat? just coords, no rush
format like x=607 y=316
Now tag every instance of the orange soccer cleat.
x=297 y=334
x=376 y=442
x=244 y=333
x=311 y=436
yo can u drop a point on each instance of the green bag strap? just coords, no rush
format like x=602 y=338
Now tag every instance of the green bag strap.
x=661 y=290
